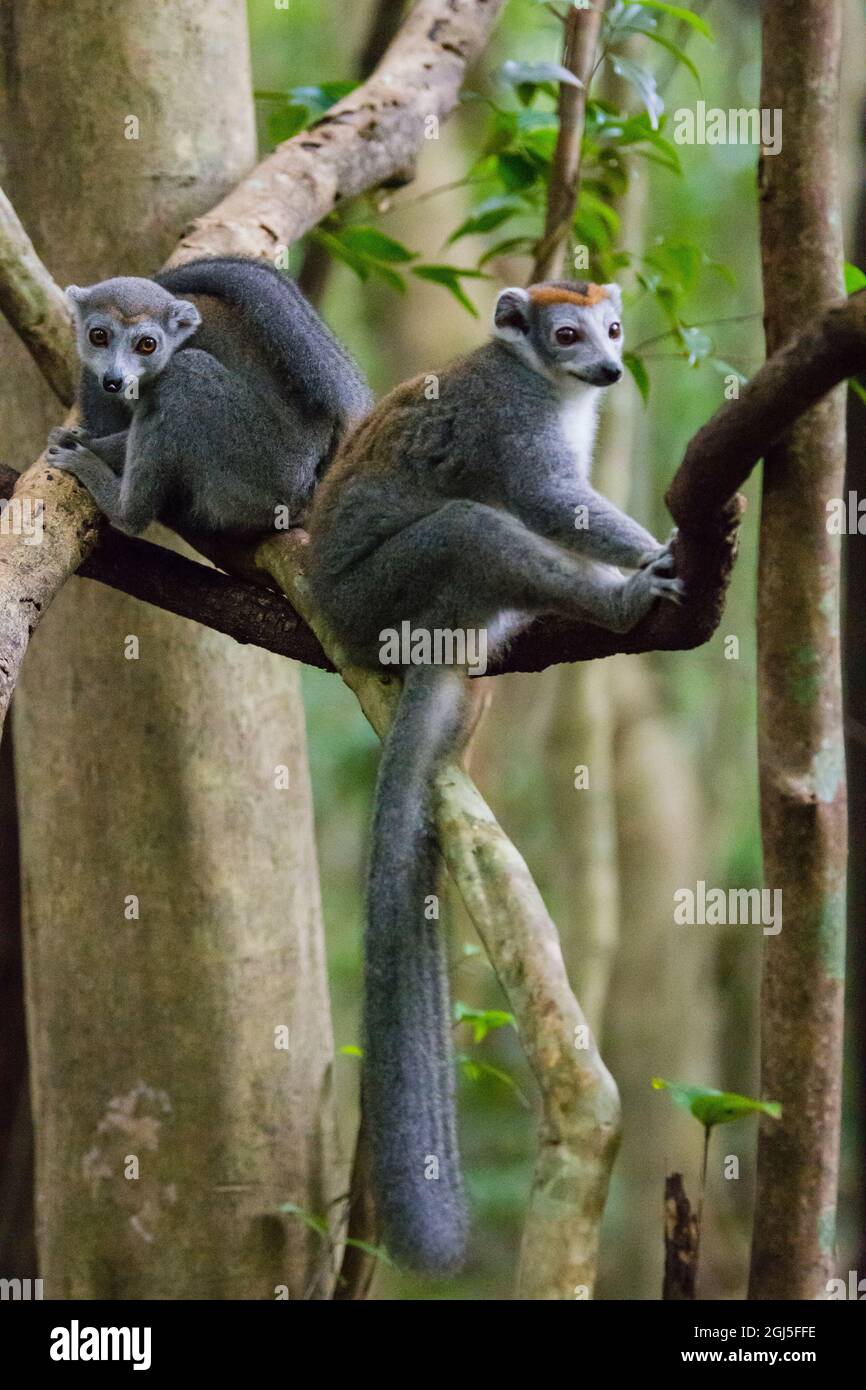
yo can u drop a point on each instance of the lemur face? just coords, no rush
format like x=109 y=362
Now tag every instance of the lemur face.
x=128 y=329
x=569 y=331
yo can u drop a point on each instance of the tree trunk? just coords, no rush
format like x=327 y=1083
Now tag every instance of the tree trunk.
x=171 y=907
x=800 y=729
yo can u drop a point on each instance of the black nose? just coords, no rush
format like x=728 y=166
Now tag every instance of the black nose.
x=610 y=372
x=113 y=384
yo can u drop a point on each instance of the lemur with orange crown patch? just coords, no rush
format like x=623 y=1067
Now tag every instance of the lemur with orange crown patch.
x=471 y=511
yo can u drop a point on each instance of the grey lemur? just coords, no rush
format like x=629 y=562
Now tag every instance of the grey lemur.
x=209 y=412
x=470 y=511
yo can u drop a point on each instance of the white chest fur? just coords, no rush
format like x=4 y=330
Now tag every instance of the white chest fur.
x=578 y=419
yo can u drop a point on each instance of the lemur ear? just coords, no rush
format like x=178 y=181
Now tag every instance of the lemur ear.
x=614 y=294
x=75 y=294
x=184 y=316
x=511 y=316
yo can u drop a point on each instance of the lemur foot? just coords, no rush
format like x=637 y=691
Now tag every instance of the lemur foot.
x=652 y=557
x=662 y=582
x=68 y=437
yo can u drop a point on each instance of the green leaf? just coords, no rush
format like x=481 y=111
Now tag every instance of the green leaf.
x=713 y=1107
x=516 y=74
x=855 y=279
x=689 y=17
x=696 y=342
x=483 y=1021
x=351 y=1050
x=644 y=84
x=516 y=171
x=284 y=124
x=636 y=366
x=309 y=1218
x=725 y=369
x=679 y=262
x=449 y=276
x=671 y=48
x=369 y=241
x=515 y=245
x=323 y=95
x=391 y=277
x=487 y=216
x=664 y=160
x=377 y=1252
x=336 y=248
x=857 y=388
x=475 y=1070
x=360 y=261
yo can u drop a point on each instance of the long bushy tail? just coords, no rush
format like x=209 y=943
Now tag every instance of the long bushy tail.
x=408 y=1065
x=286 y=325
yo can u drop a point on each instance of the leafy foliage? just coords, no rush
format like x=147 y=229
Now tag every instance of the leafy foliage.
x=713 y=1107
x=513 y=171
x=299 y=107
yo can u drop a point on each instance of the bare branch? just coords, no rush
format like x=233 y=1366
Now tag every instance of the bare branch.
x=580 y=43
x=371 y=137
x=35 y=306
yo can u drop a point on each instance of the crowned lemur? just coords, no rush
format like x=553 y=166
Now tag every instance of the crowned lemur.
x=207 y=413
x=470 y=511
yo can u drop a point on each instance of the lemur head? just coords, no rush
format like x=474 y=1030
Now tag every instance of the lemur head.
x=568 y=330
x=128 y=329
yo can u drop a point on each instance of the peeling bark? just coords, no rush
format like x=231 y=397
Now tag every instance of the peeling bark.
x=371 y=137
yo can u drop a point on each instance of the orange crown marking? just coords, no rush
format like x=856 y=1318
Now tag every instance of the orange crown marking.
x=549 y=294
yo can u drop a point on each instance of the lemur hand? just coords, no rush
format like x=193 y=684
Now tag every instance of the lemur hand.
x=69 y=438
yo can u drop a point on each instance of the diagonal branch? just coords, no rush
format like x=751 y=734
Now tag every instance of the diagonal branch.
x=35 y=306
x=371 y=137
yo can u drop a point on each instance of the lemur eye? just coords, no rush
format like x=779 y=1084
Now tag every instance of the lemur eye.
x=615 y=330
x=566 y=336
x=98 y=337
x=146 y=346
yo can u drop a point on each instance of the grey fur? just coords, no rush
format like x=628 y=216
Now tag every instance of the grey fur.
x=235 y=413
x=459 y=513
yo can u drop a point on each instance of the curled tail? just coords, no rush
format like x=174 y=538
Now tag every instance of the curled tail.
x=408 y=1065
x=286 y=325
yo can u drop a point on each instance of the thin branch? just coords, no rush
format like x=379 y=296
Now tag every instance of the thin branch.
x=581 y=38
x=35 y=306
x=707 y=323
x=371 y=137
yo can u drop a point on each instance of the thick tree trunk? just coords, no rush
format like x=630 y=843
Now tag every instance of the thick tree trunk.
x=800 y=727
x=855 y=728
x=170 y=894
